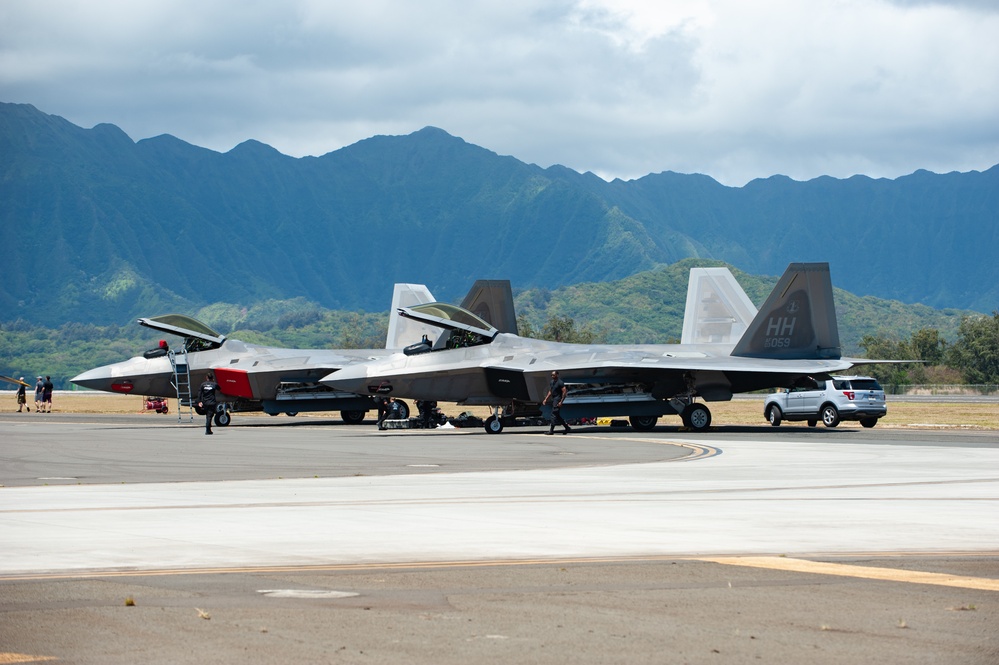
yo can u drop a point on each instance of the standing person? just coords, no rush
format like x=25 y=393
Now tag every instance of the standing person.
x=556 y=393
x=22 y=398
x=39 y=389
x=47 y=394
x=208 y=400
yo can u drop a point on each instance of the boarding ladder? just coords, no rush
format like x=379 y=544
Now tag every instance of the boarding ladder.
x=182 y=383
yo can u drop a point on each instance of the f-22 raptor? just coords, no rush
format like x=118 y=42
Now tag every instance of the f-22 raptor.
x=793 y=335
x=253 y=377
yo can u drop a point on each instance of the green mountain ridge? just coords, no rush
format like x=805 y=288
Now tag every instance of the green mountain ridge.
x=98 y=228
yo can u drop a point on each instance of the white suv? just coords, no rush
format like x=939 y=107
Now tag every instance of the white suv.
x=831 y=400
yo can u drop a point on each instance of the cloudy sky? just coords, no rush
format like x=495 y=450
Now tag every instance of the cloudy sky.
x=730 y=88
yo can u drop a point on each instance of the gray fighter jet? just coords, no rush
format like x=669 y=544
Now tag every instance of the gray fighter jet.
x=254 y=377
x=793 y=335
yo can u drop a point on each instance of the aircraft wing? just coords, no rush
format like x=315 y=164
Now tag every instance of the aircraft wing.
x=16 y=382
x=615 y=365
x=714 y=377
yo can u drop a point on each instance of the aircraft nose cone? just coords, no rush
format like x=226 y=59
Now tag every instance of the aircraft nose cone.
x=98 y=378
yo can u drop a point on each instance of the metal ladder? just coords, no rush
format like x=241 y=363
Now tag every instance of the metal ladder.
x=182 y=383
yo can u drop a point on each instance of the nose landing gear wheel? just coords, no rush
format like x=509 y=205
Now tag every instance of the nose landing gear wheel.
x=222 y=418
x=493 y=425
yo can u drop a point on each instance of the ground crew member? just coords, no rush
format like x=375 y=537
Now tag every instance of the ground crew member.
x=208 y=400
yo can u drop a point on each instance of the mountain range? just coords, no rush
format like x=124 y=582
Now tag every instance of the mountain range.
x=100 y=228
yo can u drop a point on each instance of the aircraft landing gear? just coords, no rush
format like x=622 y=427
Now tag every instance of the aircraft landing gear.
x=353 y=417
x=696 y=417
x=643 y=423
x=222 y=417
x=493 y=423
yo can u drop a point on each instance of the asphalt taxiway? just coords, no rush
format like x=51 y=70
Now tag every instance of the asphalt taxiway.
x=313 y=541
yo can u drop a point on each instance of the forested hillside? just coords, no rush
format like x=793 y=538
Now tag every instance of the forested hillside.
x=643 y=308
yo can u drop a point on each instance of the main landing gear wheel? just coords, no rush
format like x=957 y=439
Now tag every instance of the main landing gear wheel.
x=697 y=417
x=494 y=425
x=643 y=423
x=352 y=417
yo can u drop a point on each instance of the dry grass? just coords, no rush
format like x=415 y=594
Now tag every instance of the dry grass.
x=736 y=412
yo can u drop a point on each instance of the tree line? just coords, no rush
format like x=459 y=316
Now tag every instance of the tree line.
x=973 y=358
x=28 y=350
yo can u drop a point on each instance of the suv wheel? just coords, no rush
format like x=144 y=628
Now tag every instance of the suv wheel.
x=830 y=416
x=774 y=415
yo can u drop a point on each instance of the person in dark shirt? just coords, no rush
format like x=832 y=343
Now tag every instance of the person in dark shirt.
x=47 y=389
x=556 y=393
x=208 y=400
x=39 y=391
x=22 y=398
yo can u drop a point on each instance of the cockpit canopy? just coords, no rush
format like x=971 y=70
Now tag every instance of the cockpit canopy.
x=197 y=336
x=461 y=327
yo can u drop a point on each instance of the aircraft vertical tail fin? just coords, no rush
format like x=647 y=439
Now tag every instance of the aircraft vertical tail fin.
x=403 y=332
x=798 y=320
x=718 y=310
x=492 y=301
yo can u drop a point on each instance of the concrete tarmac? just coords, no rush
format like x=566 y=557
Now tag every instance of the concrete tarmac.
x=135 y=539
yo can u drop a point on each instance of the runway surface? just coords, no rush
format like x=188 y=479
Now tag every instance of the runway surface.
x=622 y=530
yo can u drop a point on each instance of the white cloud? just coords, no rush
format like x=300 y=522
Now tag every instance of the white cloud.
x=733 y=89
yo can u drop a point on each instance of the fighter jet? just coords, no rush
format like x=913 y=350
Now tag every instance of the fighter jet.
x=793 y=335
x=251 y=377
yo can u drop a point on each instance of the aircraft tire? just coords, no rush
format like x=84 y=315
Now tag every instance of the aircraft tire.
x=222 y=419
x=643 y=423
x=353 y=417
x=774 y=416
x=812 y=422
x=493 y=425
x=403 y=409
x=697 y=417
x=868 y=422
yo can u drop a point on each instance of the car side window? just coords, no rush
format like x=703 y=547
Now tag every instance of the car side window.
x=803 y=385
x=841 y=385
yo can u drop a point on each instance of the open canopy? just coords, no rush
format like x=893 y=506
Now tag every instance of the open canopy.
x=449 y=317
x=185 y=326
